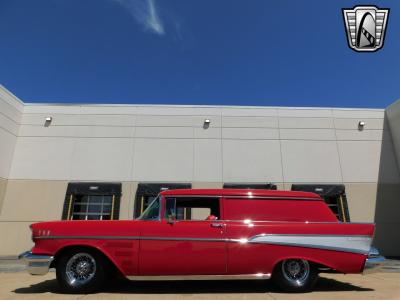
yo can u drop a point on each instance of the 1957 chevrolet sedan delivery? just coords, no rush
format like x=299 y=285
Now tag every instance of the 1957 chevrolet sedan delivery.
x=208 y=234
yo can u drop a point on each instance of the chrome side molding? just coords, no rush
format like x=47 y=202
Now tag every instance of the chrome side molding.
x=36 y=264
x=201 y=277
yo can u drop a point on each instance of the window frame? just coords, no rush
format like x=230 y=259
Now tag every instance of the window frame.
x=82 y=189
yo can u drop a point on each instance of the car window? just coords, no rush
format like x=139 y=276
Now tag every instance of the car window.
x=152 y=212
x=193 y=208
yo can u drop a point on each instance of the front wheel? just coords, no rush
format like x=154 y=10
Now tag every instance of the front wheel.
x=295 y=275
x=80 y=271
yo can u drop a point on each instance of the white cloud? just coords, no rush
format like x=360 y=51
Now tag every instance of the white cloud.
x=145 y=12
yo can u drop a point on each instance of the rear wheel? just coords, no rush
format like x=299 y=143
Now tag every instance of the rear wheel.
x=295 y=275
x=80 y=271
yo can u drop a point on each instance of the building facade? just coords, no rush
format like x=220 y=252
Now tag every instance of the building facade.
x=108 y=161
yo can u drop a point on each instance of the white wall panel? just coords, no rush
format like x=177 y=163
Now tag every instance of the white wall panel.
x=318 y=123
x=341 y=123
x=355 y=134
x=307 y=134
x=8 y=125
x=7 y=145
x=76 y=131
x=79 y=120
x=207 y=160
x=304 y=112
x=258 y=122
x=250 y=133
x=164 y=132
x=163 y=160
x=102 y=159
x=249 y=111
x=146 y=120
x=209 y=133
x=360 y=160
x=359 y=113
x=310 y=161
x=251 y=161
x=42 y=158
x=9 y=110
x=80 y=109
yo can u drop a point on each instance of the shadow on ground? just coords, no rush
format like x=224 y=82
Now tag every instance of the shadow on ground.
x=192 y=287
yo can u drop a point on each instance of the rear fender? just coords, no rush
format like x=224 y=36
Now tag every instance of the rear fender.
x=342 y=262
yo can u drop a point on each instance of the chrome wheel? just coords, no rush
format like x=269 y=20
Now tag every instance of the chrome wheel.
x=80 y=269
x=296 y=271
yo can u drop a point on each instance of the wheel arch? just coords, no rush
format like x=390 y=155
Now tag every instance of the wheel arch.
x=314 y=261
x=81 y=246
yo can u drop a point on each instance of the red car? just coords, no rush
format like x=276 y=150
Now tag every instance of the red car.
x=208 y=234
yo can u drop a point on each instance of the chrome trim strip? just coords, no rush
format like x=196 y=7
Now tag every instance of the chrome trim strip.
x=242 y=197
x=345 y=243
x=147 y=238
x=36 y=264
x=226 y=197
x=202 y=277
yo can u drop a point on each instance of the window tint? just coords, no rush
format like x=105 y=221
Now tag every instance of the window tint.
x=192 y=208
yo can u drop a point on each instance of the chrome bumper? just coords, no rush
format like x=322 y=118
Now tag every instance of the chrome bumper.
x=36 y=264
x=374 y=261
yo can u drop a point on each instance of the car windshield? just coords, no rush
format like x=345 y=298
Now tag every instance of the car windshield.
x=152 y=212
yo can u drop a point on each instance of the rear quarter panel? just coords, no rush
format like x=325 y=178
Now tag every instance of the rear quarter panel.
x=252 y=247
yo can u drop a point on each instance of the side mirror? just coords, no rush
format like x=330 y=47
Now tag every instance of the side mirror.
x=171 y=218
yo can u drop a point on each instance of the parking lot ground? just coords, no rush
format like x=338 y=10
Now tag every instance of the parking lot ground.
x=20 y=285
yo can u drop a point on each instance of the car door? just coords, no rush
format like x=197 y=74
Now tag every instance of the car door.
x=183 y=246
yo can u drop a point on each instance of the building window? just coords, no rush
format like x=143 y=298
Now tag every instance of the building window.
x=334 y=196
x=92 y=201
x=262 y=186
x=147 y=192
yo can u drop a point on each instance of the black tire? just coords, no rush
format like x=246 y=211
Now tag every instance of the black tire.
x=87 y=267
x=295 y=276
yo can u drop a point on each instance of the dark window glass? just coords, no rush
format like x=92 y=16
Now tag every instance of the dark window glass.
x=92 y=201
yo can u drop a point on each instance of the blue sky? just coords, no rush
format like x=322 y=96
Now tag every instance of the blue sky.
x=229 y=52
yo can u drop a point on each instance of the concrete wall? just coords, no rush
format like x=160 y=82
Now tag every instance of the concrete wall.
x=388 y=198
x=144 y=143
x=132 y=144
x=10 y=116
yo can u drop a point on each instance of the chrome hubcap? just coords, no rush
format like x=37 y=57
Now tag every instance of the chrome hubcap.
x=296 y=270
x=80 y=269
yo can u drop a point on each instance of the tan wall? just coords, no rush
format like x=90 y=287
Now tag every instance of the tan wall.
x=33 y=200
x=3 y=186
x=361 y=198
x=15 y=237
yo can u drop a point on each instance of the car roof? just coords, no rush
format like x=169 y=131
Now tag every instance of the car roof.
x=241 y=192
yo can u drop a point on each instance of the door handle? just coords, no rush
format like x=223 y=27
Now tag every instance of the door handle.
x=217 y=225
